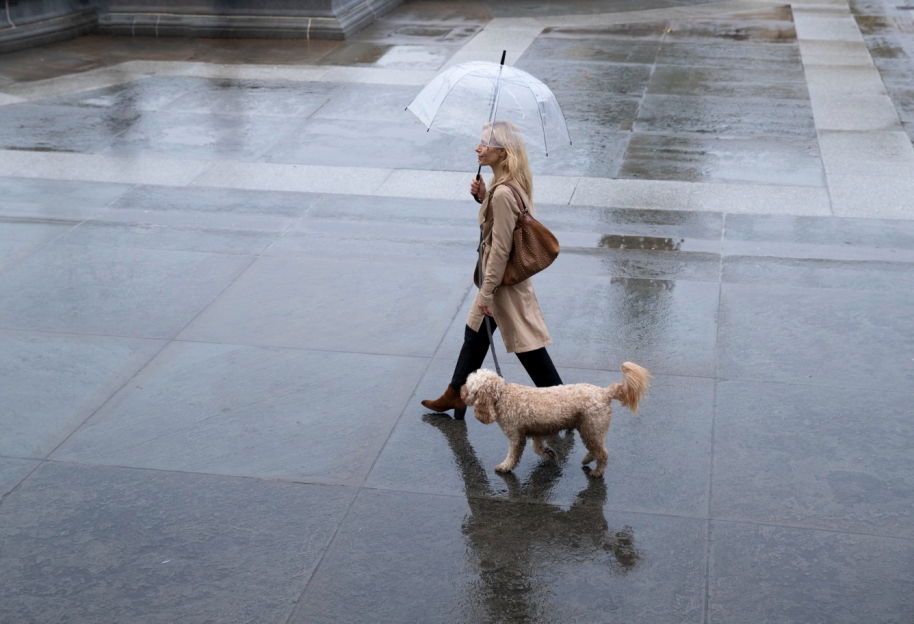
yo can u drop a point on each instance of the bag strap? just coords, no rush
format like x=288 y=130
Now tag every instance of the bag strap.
x=519 y=199
x=523 y=211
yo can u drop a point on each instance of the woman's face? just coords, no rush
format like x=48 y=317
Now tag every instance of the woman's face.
x=488 y=156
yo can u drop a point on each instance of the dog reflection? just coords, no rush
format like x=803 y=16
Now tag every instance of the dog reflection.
x=517 y=546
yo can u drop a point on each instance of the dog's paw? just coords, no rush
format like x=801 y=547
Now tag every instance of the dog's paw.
x=587 y=459
x=503 y=467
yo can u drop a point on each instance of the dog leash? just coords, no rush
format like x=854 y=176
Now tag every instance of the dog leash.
x=485 y=316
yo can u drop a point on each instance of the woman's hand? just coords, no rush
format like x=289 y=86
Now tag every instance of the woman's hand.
x=486 y=310
x=478 y=188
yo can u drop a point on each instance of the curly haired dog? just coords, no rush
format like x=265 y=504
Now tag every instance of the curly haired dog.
x=539 y=413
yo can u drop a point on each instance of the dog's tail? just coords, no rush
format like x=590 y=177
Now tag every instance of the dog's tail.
x=635 y=382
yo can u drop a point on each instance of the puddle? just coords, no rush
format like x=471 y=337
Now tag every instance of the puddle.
x=653 y=30
x=414 y=57
x=40 y=149
x=355 y=54
x=423 y=31
x=653 y=243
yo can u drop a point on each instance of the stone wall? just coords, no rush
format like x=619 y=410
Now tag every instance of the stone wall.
x=27 y=23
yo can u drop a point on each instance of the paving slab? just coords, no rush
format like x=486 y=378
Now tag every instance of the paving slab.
x=435 y=454
x=872 y=196
x=13 y=162
x=843 y=80
x=840 y=53
x=784 y=83
x=855 y=113
x=386 y=310
x=815 y=336
x=369 y=102
x=56 y=201
x=170 y=238
x=143 y=94
x=61 y=128
x=225 y=202
x=814 y=25
x=114 y=169
x=92 y=543
x=13 y=471
x=404 y=144
x=197 y=136
x=583 y=49
x=567 y=82
x=295 y=178
x=763 y=573
x=491 y=558
x=254 y=98
x=823 y=457
x=33 y=229
x=649 y=194
x=717 y=115
x=748 y=56
x=75 y=374
x=867 y=153
x=862 y=275
x=714 y=158
x=760 y=199
x=157 y=292
x=309 y=429
x=13 y=251
x=813 y=232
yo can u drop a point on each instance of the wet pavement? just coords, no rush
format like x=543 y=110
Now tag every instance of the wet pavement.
x=229 y=271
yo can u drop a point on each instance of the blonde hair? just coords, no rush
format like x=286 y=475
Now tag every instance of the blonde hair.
x=507 y=136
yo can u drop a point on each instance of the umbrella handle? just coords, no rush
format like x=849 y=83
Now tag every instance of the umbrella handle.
x=478 y=177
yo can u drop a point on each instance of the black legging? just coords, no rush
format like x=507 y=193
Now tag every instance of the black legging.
x=537 y=363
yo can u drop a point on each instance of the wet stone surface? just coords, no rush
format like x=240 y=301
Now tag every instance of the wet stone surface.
x=209 y=397
x=889 y=35
x=136 y=544
x=494 y=557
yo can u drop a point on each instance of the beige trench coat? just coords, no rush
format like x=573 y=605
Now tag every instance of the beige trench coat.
x=516 y=309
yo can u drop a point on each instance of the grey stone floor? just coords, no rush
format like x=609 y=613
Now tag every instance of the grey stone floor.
x=230 y=270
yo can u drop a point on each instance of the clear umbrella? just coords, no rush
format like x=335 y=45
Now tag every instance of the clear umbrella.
x=463 y=98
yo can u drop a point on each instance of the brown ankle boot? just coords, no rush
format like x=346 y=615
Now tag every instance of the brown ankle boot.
x=450 y=400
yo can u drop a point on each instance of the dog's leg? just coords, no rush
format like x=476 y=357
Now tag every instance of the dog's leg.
x=515 y=450
x=587 y=458
x=602 y=455
x=594 y=437
x=540 y=448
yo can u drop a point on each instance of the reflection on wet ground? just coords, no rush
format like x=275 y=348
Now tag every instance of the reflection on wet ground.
x=706 y=100
x=703 y=100
x=888 y=30
x=511 y=540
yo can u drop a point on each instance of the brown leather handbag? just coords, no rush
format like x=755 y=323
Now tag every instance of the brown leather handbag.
x=534 y=248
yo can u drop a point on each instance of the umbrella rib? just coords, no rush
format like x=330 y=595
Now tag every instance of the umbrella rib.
x=453 y=86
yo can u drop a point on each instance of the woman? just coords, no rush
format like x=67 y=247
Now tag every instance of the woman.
x=512 y=308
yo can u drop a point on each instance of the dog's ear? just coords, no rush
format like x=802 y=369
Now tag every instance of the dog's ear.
x=484 y=404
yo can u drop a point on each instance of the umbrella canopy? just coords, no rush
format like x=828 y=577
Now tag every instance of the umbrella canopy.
x=461 y=99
